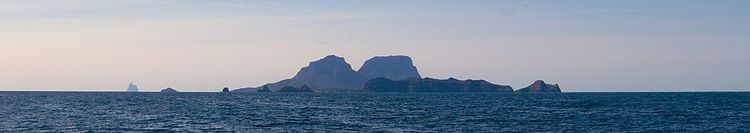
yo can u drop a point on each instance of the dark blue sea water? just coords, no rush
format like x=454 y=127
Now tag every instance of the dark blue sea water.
x=434 y=112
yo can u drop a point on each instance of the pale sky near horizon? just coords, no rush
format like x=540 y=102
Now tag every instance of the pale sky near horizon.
x=192 y=45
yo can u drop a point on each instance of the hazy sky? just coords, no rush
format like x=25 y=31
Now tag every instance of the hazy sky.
x=206 y=45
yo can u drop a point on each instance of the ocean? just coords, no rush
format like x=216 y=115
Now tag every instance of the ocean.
x=374 y=112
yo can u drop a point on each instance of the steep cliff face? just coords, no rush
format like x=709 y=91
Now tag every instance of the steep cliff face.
x=432 y=85
x=540 y=86
x=391 y=67
x=329 y=72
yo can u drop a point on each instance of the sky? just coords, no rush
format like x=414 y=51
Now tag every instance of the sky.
x=202 y=45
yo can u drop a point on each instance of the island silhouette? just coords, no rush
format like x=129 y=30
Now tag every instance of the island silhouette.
x=395 y=73
x=132 y=88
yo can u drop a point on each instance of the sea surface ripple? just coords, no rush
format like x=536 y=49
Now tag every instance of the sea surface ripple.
x=374 y=112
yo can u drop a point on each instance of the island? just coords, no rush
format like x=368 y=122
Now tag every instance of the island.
x=395 y=73
x=540 y=86
x=169 y=90
x=132 y=88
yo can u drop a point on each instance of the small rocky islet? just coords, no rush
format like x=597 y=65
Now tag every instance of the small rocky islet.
x=380 y=74
x=169 y=90
x=540 y=86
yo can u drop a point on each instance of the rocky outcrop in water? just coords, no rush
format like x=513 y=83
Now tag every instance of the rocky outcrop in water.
x=392 y=67
x=169 y=90
x=304 y=88
x=329 y=72
x=132 y=88
x=432 y=85
x=540 y=86
x=225 y=90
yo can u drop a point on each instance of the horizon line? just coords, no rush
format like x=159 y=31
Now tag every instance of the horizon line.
x=397 y=92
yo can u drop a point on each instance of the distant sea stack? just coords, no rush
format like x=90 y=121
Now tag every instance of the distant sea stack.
x=540 y=86
x=132 y=88
x=225 y=90
x=397 y=67
x=330 y=72
x=169 y=90
x=432 y=85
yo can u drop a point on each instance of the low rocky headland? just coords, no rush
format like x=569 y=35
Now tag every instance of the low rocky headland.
x=432 y=85
x=304 y=88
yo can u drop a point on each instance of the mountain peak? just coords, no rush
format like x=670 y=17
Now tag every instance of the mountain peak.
x=539 y=82
x=330 y=58
x=395 y=67
x=330 y=61
x=333 y=56
x=330 y=72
